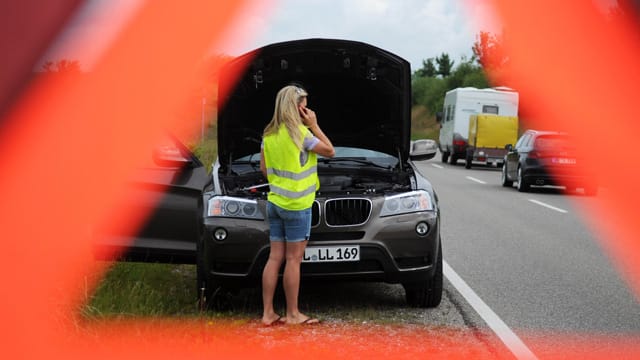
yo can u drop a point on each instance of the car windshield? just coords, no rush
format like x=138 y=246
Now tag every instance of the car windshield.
x=350 y=156
x=347 y=156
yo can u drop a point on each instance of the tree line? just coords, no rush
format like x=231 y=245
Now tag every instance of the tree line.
x=440 y=74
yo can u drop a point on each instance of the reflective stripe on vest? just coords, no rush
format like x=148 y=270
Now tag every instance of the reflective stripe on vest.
x=292 y=175
x=292 y=186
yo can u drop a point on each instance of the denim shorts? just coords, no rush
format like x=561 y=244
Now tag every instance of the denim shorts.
x=288 y=225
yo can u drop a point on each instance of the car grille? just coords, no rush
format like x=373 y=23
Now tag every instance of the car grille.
x=315 y=214
x=346 y=212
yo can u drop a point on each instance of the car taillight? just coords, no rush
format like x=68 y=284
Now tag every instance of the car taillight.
x=459 y=142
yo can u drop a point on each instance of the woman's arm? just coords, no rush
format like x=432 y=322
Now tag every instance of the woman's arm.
x=263 y=166
x=324 y=147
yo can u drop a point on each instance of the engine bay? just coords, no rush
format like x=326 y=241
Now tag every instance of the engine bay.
x=332 y=182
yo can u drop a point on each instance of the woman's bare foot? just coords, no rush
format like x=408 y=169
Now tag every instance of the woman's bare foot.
x=273 y=319
x=301 y=319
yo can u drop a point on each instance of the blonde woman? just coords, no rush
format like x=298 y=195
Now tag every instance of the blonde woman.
x=288 y=160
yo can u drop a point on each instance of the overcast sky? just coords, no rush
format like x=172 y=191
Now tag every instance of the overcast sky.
x=413 y=29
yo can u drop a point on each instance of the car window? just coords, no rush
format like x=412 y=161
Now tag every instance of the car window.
x=490 y=109
x=522 y=141
x=553 y=142
x=528 y=141
x=342 y=152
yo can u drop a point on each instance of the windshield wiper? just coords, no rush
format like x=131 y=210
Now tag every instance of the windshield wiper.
x=352 y=159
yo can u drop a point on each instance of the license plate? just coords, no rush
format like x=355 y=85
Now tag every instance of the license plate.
x=331 y=253
x=563 y=161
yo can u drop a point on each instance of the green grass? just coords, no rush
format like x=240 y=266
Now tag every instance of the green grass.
x=145 y=289
x=423 y=125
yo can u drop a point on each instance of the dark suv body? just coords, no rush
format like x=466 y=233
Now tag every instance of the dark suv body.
x=168 y=190
x=546 y=158
x=375 y=217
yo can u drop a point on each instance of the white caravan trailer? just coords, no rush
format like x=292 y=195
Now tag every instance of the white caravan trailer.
x=459 y=105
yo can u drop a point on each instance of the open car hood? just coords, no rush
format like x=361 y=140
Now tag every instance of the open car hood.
x=360 y=93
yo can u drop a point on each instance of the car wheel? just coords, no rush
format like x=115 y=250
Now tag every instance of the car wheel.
x=429 y=293
x=211 y=295
x=505 y=179
x=203 y=291
x=445 y=156
x=453 y=159
x=523 y=186
x=467 y=163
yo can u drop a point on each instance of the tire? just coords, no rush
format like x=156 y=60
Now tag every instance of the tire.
x=203 y=291
x=211 y=295
x=504 y=179
x=523 y=186
x=453 y=159
x=445 y=156
x=429 y=293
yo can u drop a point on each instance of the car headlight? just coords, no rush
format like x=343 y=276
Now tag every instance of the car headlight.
x=406 y=203
x=225 y=206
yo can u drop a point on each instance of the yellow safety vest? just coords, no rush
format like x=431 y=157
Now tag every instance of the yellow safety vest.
x=291 y=186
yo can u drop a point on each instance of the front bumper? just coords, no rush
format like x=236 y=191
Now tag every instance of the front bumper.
x=390 y=250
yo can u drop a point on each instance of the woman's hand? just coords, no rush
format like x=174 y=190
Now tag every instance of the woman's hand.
x=308 y=116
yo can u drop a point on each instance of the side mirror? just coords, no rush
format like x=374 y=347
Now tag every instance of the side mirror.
x=509 y=147
x=169 y=156
x=439 y=116
x=423 y=149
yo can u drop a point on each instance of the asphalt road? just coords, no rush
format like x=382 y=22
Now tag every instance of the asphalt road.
x=531 y=257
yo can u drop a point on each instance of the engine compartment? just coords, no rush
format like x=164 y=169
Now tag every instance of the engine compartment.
x=345 y=181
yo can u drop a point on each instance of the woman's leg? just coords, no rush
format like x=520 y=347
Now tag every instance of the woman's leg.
x=291 y=281
x=270 y=281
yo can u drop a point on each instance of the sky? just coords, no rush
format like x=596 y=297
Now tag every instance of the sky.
x=413 y=29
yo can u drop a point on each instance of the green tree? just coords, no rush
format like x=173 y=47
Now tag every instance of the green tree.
x=489 y=50
x=445 y=64
x=430 y=91
x=428 y=69
x=466 y=74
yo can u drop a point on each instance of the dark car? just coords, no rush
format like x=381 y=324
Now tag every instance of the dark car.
x=168 y=191
x=375 y=217
x=542 y=158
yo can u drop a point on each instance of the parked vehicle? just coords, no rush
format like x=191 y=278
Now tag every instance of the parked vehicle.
x=546 y=158
x=487 y=136
x=375 y=217
x=459 y=105
x=169 y=189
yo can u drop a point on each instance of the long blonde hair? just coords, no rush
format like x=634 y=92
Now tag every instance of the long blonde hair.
x=286 y=113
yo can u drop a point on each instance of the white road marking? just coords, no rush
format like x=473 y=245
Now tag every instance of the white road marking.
x=548 y=206
x=437 y=166
x=508 y=337
x=476 y=180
